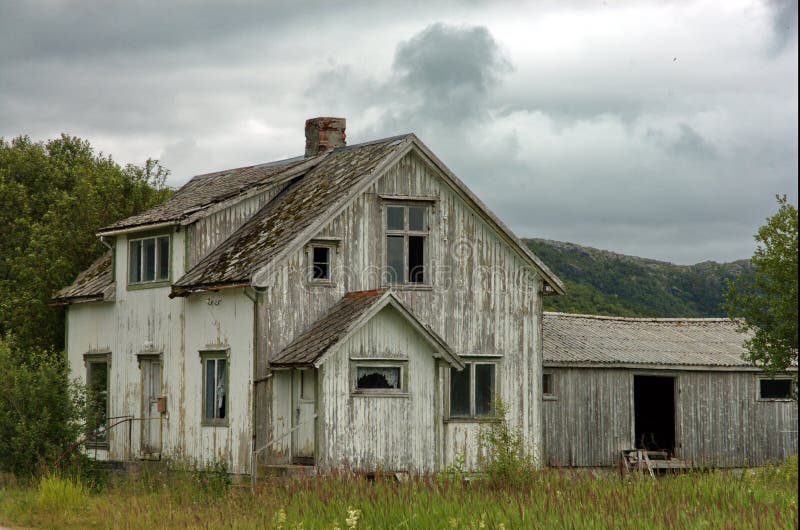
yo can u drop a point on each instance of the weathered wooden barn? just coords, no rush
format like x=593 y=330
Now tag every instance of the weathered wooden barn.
x=356 y=306
x=678 y=385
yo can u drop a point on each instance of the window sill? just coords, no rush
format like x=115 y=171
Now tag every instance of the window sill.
x=379 y=394
x=148 y=285
x=781 y=400
x=545 y=397
x=214 y=423
x=472 y=420
x=103 y=446
x=409 y=286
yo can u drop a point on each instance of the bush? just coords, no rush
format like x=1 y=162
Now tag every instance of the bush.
x=504 y=458
x=40 y=412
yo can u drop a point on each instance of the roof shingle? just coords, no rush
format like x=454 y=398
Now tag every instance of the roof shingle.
x=92 y=284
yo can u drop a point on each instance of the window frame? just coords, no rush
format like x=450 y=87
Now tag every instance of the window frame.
x=90 y=359
x=333 y=249
x=215 y=355
x=401 y=364
x=469 y=364
x=549 y=396
x=156 y=282
x=792 y=388
x=406 y=233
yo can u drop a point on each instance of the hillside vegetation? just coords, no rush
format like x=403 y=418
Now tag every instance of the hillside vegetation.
x=606 y=283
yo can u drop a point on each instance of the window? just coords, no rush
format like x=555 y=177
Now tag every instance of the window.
x=148 y=260
x=406 y=236
x=472 y=390
x=215 y=388
x=779 y=388
x=320 y=263
x=379 y=378
x=97 y=397
x=548 y=390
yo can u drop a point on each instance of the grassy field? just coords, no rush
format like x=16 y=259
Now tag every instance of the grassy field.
x=760 y=498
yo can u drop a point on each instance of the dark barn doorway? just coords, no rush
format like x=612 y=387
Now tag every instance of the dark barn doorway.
x=654 y=412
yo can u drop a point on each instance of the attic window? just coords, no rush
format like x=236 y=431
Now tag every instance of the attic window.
x=320 y=263
x=148 y=260
x=406 y=243
x=775 y=389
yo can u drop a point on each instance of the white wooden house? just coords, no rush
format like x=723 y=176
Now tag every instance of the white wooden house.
x=356 y=306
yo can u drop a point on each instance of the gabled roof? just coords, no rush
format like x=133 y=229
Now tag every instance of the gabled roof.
x=312 y=200
x=589 y=340
x=354 y=310
x=204 y=191
x=95 y=283
x=281 y=221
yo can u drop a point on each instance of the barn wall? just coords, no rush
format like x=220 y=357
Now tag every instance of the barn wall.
x=724 y=424
x=589 y=421
x=484 y=298
x=720 y=421
x=365 y=431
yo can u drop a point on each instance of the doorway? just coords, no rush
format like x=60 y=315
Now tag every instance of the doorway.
x=654 y=413
x=304 y=391
x=151 y=417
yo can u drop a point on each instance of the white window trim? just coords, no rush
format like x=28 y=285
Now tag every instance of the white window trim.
x=333 y=249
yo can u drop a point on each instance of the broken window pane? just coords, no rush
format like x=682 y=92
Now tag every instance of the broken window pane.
x=163 y=258
x=394 y=259
x=775 y=388
x=416 y=218
x=135 y=262
x=459 y=392
x=321 y=264
x=416 y=259
x=394 y=218
x=372 y=377
x=484 y=389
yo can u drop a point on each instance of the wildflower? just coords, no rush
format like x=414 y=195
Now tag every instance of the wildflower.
x=280 y=518
x=453 y=522
x=352 y=517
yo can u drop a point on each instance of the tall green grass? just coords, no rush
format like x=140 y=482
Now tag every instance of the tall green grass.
x=760 y=498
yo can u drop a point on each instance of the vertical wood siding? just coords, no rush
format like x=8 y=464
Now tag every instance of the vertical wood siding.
x=368 y=432
x=720 y=422
x=484 y=299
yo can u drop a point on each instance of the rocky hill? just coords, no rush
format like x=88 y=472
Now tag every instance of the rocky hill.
x=606 y=283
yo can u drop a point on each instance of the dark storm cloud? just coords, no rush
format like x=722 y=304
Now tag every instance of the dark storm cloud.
x=451 y=69
x=784 y=22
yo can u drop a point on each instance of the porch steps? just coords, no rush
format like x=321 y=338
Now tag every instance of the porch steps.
x=650 y=462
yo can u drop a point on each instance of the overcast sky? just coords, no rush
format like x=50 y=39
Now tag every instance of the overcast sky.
x=658 y=129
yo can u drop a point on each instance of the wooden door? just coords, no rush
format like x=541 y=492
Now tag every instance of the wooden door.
x=151 y=417
x=304 y=383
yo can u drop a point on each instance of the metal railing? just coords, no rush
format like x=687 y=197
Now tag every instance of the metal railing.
x=256 y=452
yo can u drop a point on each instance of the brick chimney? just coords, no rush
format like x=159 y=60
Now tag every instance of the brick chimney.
x=324 y=134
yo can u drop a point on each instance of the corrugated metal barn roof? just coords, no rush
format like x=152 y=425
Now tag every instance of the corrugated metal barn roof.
x=589 y=339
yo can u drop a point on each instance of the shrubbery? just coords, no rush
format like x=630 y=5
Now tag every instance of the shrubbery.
x=41 y=412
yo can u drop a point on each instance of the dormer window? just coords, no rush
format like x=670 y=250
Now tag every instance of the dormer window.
x=407 y=232
x=148 y=260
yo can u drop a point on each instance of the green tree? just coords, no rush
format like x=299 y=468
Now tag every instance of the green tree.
x=54 y=196
x=766 y=306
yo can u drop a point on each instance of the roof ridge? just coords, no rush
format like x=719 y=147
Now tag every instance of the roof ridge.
x=637 y=319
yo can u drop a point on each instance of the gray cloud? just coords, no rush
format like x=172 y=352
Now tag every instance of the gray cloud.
x=657 y=129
